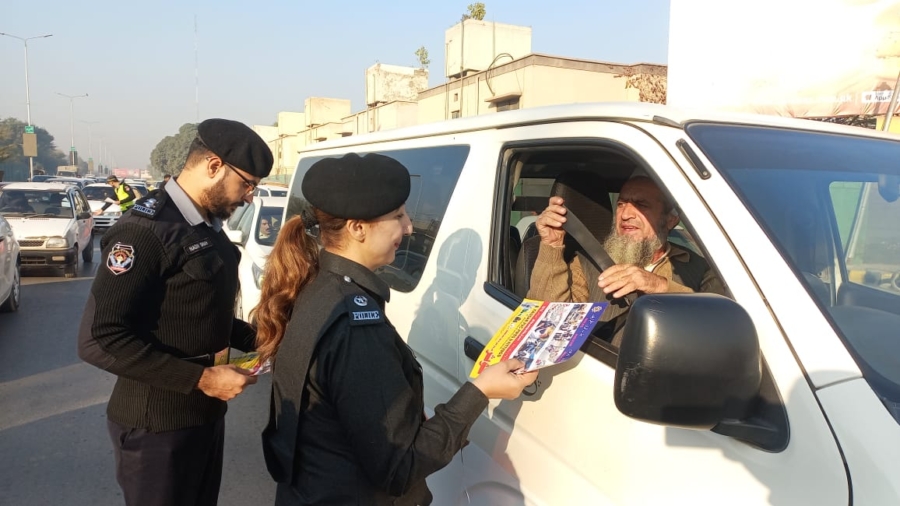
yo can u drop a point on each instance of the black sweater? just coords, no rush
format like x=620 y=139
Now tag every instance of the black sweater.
x=165 y=293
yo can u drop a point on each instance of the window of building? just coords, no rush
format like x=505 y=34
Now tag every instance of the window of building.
x=507 y=105
x=454 y=114
x=434 y=172
x=456 y=97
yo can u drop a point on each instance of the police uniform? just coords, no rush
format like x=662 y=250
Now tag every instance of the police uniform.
x=159 y=311
x=347 y=422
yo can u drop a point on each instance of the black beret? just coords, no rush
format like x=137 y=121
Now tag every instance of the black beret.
x=355 y=187
x=237 y=144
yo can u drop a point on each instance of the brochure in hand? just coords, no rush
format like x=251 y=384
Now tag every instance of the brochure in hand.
x=541 y=334
x=250 y=361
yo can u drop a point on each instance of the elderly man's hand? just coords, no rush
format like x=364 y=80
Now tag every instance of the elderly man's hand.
x=620 y=280
x=549 y=223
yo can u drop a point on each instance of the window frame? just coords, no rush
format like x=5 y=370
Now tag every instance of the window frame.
x=595 y=347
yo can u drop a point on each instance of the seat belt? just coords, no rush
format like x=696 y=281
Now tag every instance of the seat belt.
x=591 y=246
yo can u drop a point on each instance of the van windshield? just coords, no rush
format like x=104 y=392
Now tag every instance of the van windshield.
x=831 y=204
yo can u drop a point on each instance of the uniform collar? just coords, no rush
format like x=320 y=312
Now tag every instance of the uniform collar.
x=187 y=207
x=356 y=273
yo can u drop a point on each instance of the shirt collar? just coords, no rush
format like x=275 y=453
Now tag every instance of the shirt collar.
x=665 y=255
x=356 y=273
x=187 y=208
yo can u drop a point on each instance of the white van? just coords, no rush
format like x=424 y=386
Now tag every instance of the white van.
x=787 y=392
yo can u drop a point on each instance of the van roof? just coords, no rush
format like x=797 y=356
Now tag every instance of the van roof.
x=615 y=111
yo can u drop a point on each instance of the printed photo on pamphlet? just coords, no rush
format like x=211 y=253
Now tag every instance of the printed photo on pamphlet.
x=541 y=334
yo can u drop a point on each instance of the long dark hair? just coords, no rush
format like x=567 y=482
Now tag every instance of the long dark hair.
x=292 y=264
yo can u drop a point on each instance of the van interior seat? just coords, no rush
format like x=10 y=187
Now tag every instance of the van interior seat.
x=586 y=194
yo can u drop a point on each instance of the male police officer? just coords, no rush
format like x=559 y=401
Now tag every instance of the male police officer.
x=125 y=195
x=161 y=314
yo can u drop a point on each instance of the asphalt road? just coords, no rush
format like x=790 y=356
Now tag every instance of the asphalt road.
x=53 y=440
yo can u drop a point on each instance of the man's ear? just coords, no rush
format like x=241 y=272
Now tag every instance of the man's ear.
x=213 y=166
x=672 y=219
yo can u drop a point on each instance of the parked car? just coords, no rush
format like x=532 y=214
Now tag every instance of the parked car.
x=784 y=391
x=80 y=182
x=52 y=222
x=10 y=263
x=270 y=190
x=97 y=194
x=254 y=233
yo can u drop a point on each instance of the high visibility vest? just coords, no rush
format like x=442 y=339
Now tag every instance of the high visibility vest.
x=122 y=194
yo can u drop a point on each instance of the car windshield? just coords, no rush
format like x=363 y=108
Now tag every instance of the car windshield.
x=99 y=192
x=831 y=203
x=269 y=225
x=35 y=203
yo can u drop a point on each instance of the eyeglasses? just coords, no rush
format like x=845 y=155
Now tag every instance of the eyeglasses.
x=250 y=184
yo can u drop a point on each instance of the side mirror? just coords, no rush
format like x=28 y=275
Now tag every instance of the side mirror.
x=235 y=236
x=85 y=215
x=689 y=361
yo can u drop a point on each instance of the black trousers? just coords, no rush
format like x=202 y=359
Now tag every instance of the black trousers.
x=175 y=468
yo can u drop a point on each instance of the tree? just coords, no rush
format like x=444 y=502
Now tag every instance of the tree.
x=14 y=163
x=170 y=153
x=422 y=55
x=651 y=88
x=475 y=11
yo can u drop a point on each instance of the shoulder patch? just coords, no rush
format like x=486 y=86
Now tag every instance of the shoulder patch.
x=363 y=310
x=120 y=259
x=147 y=207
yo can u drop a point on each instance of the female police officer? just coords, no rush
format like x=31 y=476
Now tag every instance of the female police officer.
x=347 y=424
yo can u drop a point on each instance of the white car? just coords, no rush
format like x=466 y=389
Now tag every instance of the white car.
x=10 y=261
x=253 y=228
x=97 y=195
x=270 y=190
x=53 y=224
x=786 y=391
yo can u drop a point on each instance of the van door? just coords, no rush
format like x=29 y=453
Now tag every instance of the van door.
x=564 y=441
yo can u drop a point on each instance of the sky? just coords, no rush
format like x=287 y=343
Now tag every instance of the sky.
x=137 y=60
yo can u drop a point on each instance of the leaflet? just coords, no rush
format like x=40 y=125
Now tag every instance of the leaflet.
x=541 y=334
x=250 y=361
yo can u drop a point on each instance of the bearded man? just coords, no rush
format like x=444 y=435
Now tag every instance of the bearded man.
x=160 y=316
x=646 y=262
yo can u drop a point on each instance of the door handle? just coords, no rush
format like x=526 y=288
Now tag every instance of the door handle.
x=472 y=348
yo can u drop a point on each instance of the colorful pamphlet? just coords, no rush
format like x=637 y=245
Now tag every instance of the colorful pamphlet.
x=541 y=334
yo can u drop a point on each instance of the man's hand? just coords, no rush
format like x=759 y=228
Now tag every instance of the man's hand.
x=620 y=280
x=224 y=382
x=549 y=223
x=98 y=212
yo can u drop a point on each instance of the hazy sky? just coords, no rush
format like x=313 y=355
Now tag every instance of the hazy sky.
x=136 y=60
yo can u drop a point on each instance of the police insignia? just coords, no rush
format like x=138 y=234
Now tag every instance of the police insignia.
x=360 y=300
x=120 y=259
x=146 y=207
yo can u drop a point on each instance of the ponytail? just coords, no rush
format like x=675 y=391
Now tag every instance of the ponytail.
x=293 y=263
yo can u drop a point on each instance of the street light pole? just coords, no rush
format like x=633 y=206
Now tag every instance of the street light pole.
x=90 y=139
x=72 y=121
x=27 y=93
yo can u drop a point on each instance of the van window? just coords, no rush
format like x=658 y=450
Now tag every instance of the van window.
x=590 y=178
x=434 y=172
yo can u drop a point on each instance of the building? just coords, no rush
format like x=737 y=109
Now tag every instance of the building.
x=489 y=67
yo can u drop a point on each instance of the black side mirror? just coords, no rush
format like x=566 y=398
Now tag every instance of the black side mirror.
x=85 y=215
x=688 y=361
